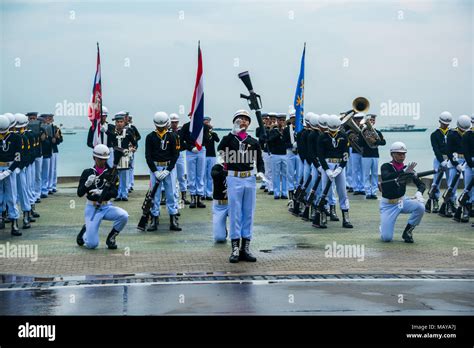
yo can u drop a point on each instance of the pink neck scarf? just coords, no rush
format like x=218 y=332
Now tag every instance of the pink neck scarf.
x=397 y=166
x=242 y=135
x=100 y=170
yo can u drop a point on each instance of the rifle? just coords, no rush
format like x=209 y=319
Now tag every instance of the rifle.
x=444 y=210
x=463 y=201
x=404 y=177
x=294 y=206
x=254 y=101
x=433 y=190
x=302 y=193
x=146 y=206
x=311 y=197
x=110 y=181
x=320 y=218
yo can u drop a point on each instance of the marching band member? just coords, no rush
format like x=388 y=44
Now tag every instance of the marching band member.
x=180 y=167
x=9 y=162
x=394 y=202
x=91 y=184
x=356 y=160
x=456 y=156
x=213 y=138
x=122 y=137
x=439 y=144
x=37 y=131
x=333 y=156
x=136 y=137
x=267 y=184
x=47 y=152
x=289 y=137
x=370 y=160
x=161 y=153
x=195 y=164
x=241 y=184
x=30 y=170
x=55 y=141
x=278 y=151
x=467 y=143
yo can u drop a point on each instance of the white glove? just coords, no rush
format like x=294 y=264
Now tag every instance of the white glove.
x=90 y=180
x=17 y=170
x=96 y=191
x=261 y=176
x=337 y=171
x=295 y=146
x=419 y=197
x=195 y=150
x=4 y=174
x=157 y=174
x=460 y=168
x=236 y=129
x=444 y=164
x=163 y=174
x=330 y=174
x=103 y=130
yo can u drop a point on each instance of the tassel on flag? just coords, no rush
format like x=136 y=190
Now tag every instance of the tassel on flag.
x=197 y=108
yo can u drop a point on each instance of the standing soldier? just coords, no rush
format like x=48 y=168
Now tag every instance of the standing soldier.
x=103 y=136
x=136 y=137
x=47 y=151
x=213 y=138
x=370 y=160
x=356 y=158
x=289 y=137
x=195 y=164
x=55 y=141
x=161 y=153
x=440 y=148
x=243 y=151
x=92 y=184
x=267 y=183
x=394 y=202
x=35 y=126
x=333 y=155
x=220 y=206
x=180 y=167
x=30 y=170
x=278 y=150
x=456 y=157
x=10 y=160
x=468 y=150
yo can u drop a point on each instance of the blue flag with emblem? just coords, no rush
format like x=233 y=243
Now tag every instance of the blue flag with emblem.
x=299 y=97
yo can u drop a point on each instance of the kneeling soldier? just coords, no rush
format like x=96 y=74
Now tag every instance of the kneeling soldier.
x=394 y=201
x=92 y=183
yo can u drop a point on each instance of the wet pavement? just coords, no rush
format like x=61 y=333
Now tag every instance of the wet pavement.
x=342 y=297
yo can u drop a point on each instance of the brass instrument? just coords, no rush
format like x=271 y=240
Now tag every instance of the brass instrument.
x=369 y=134
x=359 y=104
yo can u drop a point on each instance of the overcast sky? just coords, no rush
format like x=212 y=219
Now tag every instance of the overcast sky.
x=394 y=52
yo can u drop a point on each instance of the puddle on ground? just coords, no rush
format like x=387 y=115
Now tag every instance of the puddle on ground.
x=290 y=247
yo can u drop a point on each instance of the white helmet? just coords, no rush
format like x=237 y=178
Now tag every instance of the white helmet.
x=12 y=118
x=464 y=122
x=101 y=151
x=21 y=120
x=308 y=116
x=161 y=119
x=4 y=124
x=323 y=121
x=313 y=120
x=445 y=117
x=333 y=123
x=398 y=146
x=174 y=117
x=105 y=111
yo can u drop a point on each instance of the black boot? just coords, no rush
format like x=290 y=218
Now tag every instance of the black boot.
x=435 y=208
x=26 y=220
x=291 y=194
x=15 y=230
x=199 y=203
x=111 y=239
x=234 y=257
x=5 y=216
x=174 y=225
x=33 y=212
x=245 y=254
x=2 y=223
x=163 y=198
x=345 y=219
x=471 y=213
x=450 y=209
x=183 y=197
x=155 y=221
x=30 y=216
x=193 y=202
x=332 y=213
x=465 y=212
x=79 y=238
x=408 y=234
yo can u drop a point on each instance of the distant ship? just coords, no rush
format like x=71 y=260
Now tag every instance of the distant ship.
x=402 y=128
x=68 y=131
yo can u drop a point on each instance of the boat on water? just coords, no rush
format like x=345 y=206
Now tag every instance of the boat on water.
x=67 y=131
x=402 y=128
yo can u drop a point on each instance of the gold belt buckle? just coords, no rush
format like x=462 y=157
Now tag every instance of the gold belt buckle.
x=3 y=164
x=393 y=201
x=222 y=202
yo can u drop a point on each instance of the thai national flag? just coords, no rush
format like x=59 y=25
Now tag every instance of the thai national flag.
x=95 y=105
x=197 y=109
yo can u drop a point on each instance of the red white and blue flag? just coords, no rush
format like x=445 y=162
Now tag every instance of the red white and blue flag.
x=197 y=109
x=95 y=105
